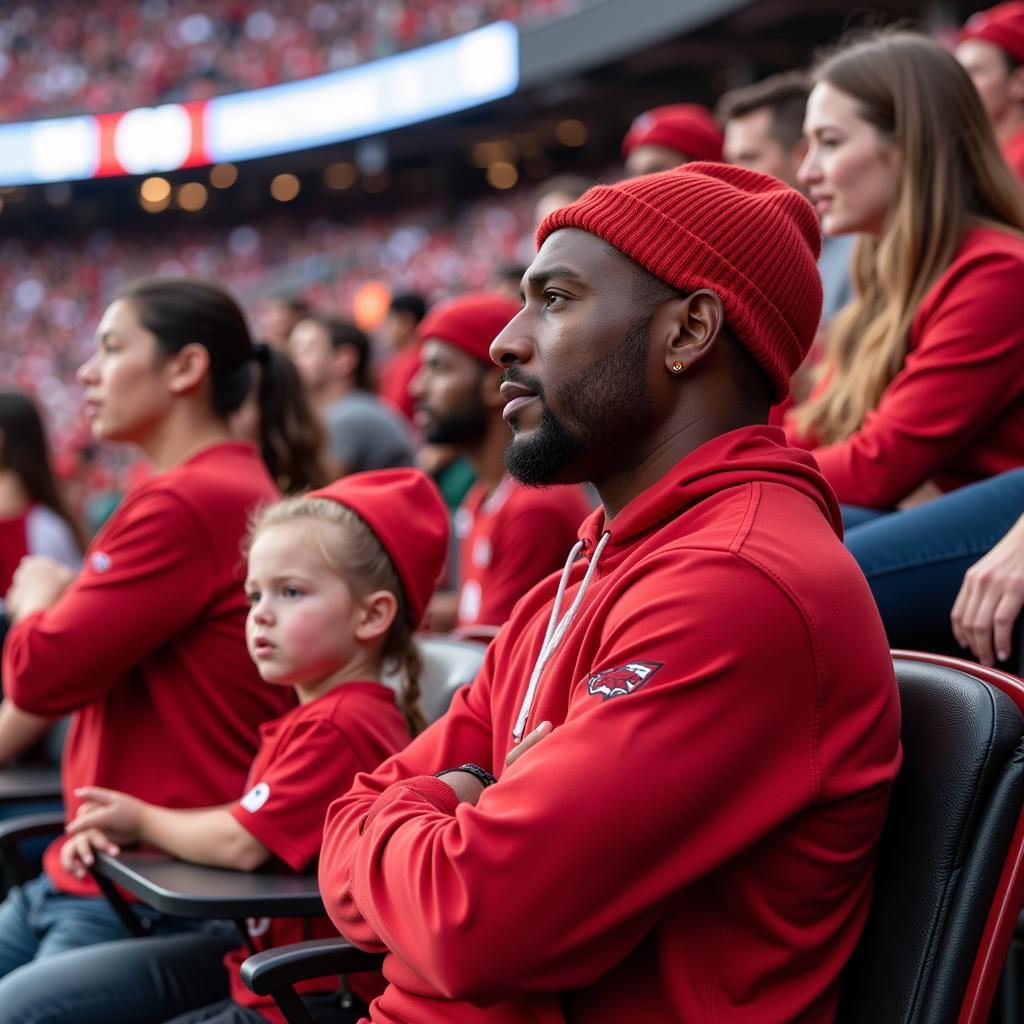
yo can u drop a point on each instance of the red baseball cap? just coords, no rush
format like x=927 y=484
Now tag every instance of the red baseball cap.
x=688 y=128
x=405 y=510
x=470 y=322
x=1002 y=25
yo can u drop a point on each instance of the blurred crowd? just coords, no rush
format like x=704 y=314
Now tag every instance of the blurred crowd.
x=53 y=294
x=63 y=57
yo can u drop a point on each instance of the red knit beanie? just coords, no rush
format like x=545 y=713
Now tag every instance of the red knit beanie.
x=405 y=510
x=470 y=322
x=688 y=128
x=743 y=235
x=1002 y=25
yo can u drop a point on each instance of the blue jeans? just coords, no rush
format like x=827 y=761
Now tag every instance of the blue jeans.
x=69 y=960
x=323 y=1007
x=915 y=560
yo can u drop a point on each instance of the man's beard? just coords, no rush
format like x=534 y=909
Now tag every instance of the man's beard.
x=463 y=426
x=604 y=409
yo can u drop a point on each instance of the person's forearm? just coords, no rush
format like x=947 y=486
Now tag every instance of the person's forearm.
x=19 y=731
x=209 y=835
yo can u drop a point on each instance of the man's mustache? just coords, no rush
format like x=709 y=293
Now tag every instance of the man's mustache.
x=514 y=375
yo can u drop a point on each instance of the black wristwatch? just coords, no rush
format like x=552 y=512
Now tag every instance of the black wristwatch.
x=485 y=777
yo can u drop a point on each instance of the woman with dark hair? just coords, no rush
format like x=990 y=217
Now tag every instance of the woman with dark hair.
x=34 y=518
x=145 y=647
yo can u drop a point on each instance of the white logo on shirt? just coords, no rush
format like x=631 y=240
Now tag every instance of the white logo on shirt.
x=482 y=553
x=463 y=522
x=257 y=926
x=100 y=561
x=469 y=601
x=256 y=797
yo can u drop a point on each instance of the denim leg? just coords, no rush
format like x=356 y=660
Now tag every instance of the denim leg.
x=857 y=515
x=915 y=561
x=18 y=939
x=323 y=1007
x=133 y=981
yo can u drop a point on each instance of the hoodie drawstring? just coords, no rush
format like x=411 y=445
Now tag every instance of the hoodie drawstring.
x=557 y=628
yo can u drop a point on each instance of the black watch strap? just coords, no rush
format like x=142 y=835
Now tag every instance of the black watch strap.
x=474 y=769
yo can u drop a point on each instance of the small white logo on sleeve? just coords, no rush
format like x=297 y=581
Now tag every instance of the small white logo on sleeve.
x=256 y=797
x=100 y=561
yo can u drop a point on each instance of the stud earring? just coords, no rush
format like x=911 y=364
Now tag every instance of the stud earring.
x=678 y=367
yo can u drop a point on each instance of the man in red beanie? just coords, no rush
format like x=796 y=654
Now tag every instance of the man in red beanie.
x=991 y=49
x=666 y=137
x=660 y=799
x=510 y=536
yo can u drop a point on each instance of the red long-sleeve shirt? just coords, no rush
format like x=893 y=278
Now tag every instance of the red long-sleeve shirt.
x=955 y=411
x=695 y=840
x=147 y=646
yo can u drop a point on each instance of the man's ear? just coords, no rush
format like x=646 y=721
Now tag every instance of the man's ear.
x=490 y=382
x=687 y=328
x=188 y=368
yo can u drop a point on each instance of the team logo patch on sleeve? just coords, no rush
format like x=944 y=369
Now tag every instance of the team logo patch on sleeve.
x=256 y=797
x=617 y=682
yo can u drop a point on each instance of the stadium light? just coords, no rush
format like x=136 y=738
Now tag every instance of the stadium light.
x=442 y=78
x=192 y=196
x=340 y=176
x=285 y=187
x=223 y=175
x=571 y=132
x=502 y=174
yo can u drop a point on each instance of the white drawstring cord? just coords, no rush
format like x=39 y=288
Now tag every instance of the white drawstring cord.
x=557 y=628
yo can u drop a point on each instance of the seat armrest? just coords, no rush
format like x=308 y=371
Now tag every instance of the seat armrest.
x=274 y=969
x=27 y=826
x=15 y=831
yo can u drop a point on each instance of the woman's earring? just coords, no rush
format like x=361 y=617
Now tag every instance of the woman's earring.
x=678 y=367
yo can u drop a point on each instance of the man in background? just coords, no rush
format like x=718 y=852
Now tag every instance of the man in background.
x=362 y=433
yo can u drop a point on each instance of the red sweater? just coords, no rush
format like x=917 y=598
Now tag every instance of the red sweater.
x=695 y=840
x=147 y=646
x=306 y=758
x=509 y=542
x=955 y=411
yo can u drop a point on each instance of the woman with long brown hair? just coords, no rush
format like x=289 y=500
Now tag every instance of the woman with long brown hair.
x=924 y=377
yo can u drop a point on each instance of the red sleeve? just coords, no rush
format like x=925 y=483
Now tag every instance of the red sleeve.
x=965 y=371
x=463 y=734
x=285 y=807
x=143 y=582
x=631 y=799
x=529 y=545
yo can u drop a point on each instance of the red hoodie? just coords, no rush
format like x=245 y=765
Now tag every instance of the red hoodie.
x=695 y=840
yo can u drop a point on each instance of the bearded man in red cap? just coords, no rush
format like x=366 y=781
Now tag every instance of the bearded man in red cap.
x=661 y=797
x=510 y=536
x=991 y=49
x=666 y=137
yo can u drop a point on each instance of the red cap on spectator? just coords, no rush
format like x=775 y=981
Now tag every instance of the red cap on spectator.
x=688 y=128
x=470 y=322
x=405 y=510
x=743 y=235
x=1002 y=25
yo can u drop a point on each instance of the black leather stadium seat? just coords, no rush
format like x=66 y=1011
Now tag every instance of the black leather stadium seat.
x=948 y=886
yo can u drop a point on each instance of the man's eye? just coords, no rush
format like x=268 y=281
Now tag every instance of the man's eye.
x=551 y=298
